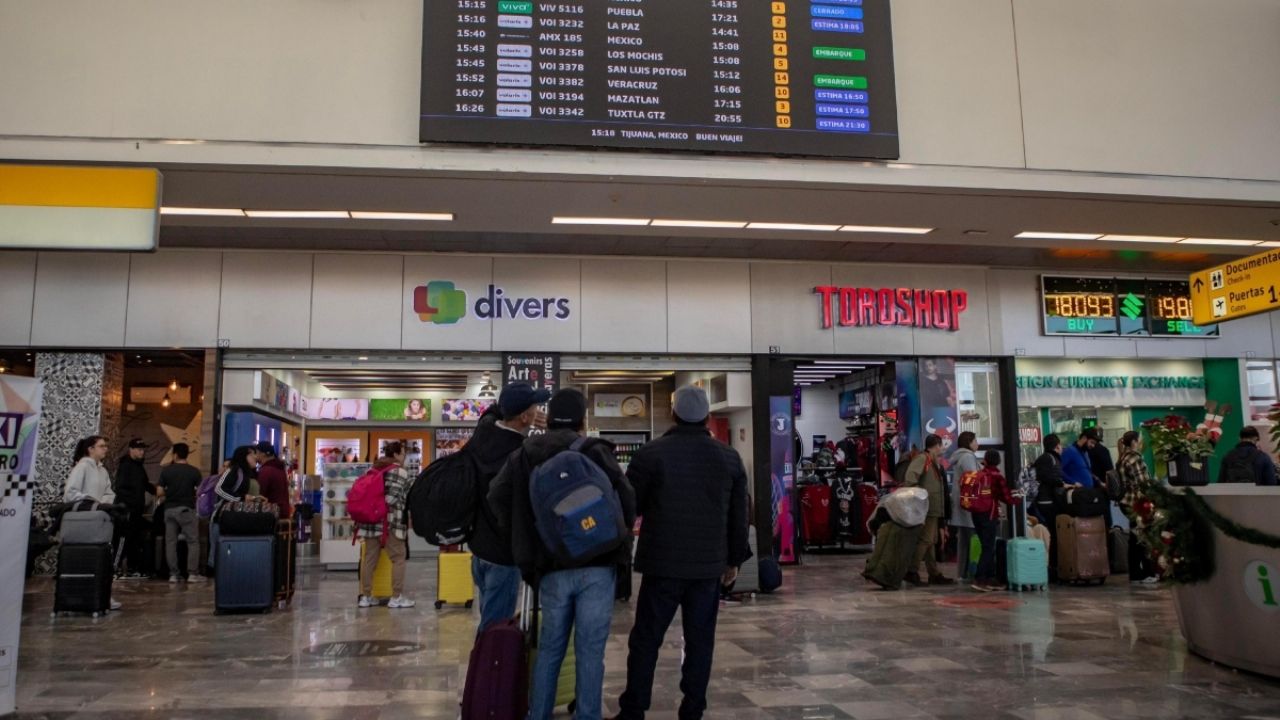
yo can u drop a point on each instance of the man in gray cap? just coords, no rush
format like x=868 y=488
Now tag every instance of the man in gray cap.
x=691 y=491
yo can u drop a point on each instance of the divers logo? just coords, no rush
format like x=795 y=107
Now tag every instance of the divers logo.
x=441 y=303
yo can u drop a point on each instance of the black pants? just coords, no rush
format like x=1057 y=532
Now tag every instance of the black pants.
x=699 y=604
x=986 y=528
x=1049 y=516
x=135 y=531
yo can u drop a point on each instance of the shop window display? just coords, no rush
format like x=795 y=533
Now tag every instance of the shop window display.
x=978 y=401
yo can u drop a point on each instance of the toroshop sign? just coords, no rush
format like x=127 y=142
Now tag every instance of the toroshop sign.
x=907 y=307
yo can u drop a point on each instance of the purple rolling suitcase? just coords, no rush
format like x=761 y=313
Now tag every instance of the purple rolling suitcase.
x=497 y=685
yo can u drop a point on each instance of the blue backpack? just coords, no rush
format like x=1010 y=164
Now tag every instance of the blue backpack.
x=575 y=508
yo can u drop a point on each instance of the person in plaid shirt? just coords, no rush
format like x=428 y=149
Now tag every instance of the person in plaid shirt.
x=1134 y=478
x=394 y=537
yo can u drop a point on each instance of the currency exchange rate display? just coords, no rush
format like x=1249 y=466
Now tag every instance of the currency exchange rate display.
x=789 y=77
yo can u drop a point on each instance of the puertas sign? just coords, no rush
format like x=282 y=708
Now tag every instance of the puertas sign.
x=1237 y=289
x=20 y=399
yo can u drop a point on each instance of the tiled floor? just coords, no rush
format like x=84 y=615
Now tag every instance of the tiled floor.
x=825 y=647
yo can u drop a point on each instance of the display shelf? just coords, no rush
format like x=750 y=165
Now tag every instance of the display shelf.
x=336 y=548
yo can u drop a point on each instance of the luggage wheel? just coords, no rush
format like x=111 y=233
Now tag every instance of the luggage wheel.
x=468 y=604
x=439 y=604
x=573 y=705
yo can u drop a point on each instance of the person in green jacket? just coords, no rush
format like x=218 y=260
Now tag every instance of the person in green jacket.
x=925 y=473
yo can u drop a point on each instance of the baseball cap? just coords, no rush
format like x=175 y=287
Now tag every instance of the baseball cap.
x=137 y=443
x=518 y=397
x=567 y=409
x=265 y=447
x=690 y=404
x=1091 y=434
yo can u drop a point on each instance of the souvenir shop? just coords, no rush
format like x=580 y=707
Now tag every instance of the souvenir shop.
x=332 y=415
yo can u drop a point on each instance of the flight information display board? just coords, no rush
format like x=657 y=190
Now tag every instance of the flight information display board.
x=1119 y=307
x=789 y=77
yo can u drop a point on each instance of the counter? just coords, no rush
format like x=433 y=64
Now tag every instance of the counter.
x=1234 y=617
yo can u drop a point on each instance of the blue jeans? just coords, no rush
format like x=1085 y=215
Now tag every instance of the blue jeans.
x=496 y=589
x=580 y=601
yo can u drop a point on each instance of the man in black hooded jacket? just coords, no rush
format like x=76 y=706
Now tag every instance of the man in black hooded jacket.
x=131 y=487
x=502 y=430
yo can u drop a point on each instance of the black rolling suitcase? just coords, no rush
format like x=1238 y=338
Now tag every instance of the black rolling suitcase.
x=84 y=579
x=245 y=576
x=286 y=566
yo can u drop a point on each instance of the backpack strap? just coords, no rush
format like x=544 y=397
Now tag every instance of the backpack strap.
x=579 y=443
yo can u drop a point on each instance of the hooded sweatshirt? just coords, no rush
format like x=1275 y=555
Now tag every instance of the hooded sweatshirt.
x=963 y=461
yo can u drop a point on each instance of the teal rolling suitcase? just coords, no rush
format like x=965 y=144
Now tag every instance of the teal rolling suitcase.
x=1027 y=560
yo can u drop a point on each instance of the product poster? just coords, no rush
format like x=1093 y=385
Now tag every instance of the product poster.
x=909 y=435
x=334 y=452
x=19 y=421
x=782 y=476
x=451 y=440
x=337 y=409
x=400 y=409
x=938 y=416
x=463 y=409
x=541 y=370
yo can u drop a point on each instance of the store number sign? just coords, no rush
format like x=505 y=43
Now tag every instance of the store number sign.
x=1119 y=307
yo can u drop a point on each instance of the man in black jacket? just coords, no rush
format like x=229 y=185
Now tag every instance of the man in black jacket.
x=131 y=488
x=501 y=431
x=1048 y=468
x=577 y=598
x=1247 y=463
x=691 y=492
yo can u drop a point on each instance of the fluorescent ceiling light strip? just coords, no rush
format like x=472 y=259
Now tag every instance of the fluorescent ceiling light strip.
x=892 y=229
x=379 y=215
x=209 y=212
x=1269 y=243
x=300 y=214
x=572 y=220
x=839 y=363
x=1219 y=241
x=700 y=223
x=1140 y=238
x=791 y=226
x=1039 y=235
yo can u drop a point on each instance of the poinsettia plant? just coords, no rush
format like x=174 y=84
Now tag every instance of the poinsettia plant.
x=1172 y=435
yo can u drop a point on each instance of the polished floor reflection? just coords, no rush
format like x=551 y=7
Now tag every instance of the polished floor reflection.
x=825 y=647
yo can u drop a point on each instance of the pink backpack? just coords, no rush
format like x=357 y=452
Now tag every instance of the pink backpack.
x=367 y=499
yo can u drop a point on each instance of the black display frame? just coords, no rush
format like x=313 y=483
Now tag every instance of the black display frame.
x=1119 y=287
x=442 y=50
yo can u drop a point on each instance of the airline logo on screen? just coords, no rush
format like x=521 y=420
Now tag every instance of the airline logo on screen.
x=883 y=307
x=441 y=303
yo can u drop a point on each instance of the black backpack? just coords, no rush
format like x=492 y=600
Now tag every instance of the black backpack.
x=1237 y=467
x=445 y=499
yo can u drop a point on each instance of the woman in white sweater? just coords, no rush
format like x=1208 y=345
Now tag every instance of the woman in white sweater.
x=89 y=480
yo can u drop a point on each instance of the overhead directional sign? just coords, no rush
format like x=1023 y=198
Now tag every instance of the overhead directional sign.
x=1237 y=289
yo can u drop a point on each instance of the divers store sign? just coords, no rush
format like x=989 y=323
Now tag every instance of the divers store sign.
x=440 y=302
x=924 y=308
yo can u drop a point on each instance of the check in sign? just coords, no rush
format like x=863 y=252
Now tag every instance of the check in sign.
x=1237 y=289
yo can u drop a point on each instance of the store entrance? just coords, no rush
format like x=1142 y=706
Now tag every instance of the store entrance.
x=334 y=414
x=857 y=423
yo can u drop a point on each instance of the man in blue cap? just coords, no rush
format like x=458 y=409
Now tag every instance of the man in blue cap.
x=502 y=429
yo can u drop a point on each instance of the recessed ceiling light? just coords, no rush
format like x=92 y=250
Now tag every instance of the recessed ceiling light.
x=1038 y=235
x=377 y=215
x=1140 y=238
x=1218 y=241
x=700 y=223
x=572 y=220
x=300 y=214
x=887 y=229
x=791 y=226
x=215 y=212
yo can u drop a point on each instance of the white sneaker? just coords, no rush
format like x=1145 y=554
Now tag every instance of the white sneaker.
x=115 y=605
x=173 y=579
x=1153 y=580
x=400 y=601
x=364 y=602
x=197 y=578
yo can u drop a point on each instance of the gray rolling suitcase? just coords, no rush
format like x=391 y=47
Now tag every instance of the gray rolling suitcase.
x=93 y=527
x=245 y=574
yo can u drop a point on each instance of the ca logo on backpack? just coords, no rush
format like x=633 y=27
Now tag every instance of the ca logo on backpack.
x=575 y=508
